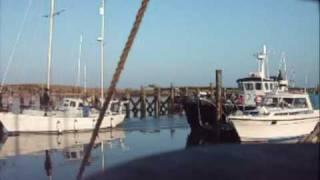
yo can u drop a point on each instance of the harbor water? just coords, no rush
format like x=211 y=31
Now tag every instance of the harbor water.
x=24 y=155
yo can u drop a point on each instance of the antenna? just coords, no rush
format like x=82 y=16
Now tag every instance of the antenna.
x=261 y=57
x=283 y=64
x=306 y=83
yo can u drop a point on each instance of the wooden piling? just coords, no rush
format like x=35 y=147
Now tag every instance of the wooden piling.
x=186 y=91
x=197 y=91
x=171 y=101
x=211 y=89
x=142 y=103
x=156 y=102
x=128 y=110
x=218 y=100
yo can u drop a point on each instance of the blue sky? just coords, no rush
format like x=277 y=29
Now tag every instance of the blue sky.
x=180 y=41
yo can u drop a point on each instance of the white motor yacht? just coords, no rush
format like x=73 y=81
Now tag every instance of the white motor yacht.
x=281 y=116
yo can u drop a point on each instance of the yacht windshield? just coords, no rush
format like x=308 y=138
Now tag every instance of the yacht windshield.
x=300 y=103
x=285 y=102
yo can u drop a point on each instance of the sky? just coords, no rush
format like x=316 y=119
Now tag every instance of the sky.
x=180 y=41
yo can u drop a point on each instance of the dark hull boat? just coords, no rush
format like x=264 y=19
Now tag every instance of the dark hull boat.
x=201 y=112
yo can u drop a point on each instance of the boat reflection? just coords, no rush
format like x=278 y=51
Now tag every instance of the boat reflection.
x=208 y=137
x=72 y=145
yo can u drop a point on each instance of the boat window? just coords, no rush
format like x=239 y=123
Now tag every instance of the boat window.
x=271 y=86
x=300 y=103
x=258 y=86
x=248 y=86
x=281 y=114
x=115 y=107
x=275 y=85
x=271 y=102
x=72 y=104
x=287 y=102
x=266 y=85
x=240 y=85
x=74 y=155
x=80 y=105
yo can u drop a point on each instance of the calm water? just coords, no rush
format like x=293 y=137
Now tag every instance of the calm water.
x=23 y=156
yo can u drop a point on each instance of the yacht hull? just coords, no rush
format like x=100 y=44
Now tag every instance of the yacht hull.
x=274 y=129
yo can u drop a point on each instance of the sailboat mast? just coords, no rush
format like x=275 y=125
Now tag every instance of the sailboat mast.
x=85 y=78
x=79 y=62
x=50 y=43
x=101 y=39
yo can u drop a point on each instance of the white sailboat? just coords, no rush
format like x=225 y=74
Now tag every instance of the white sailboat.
x=71 y=116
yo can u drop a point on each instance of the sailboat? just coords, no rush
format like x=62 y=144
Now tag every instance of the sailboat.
x=72 y=115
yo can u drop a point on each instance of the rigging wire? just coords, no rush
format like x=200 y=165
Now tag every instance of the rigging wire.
x=15 y=44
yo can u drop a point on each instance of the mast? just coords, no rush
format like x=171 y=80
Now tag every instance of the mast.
x=50 y=43
x=85 y=78
x=262 y=58
x=79 y=62
x=101 y=40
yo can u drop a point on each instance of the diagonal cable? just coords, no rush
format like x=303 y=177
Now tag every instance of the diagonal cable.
x=114 y=82
x=15 y=44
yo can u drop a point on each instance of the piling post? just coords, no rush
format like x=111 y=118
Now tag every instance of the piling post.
x=186 y=91
x=197 y=91
x=218 y=100
x=128 y=104
x=171 y=101
x=211 y=89
x=142 y=102
x=156 y=102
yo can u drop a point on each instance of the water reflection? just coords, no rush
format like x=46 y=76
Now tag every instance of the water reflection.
x=36 y=143
x=208 y=137
x=26 y=155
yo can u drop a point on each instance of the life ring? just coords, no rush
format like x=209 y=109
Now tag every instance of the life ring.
x=258 y=99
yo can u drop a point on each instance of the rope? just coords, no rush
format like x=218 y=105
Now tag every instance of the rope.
x=114 y=82
x=15 y=44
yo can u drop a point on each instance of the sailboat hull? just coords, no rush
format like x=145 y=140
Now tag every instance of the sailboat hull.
x=25 y=123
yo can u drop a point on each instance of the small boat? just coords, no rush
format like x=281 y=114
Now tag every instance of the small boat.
x=282 y=116
x=201 y=109
x=72 y=116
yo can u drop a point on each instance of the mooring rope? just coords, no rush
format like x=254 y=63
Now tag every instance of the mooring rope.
x=15 y=44
x=114 y=82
